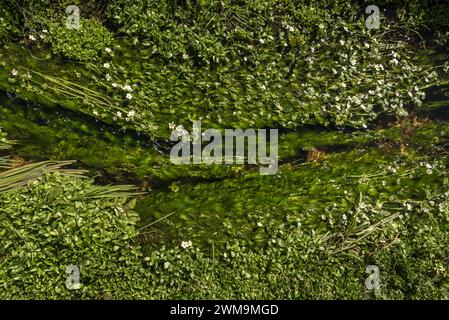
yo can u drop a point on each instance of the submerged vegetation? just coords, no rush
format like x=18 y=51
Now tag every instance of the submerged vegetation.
x=86 y=180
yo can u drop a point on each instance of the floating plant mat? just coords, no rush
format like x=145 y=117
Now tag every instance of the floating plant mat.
x=326 y=88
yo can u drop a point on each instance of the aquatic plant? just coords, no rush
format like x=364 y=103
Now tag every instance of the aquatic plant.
x=362 y=117
x=268 y=79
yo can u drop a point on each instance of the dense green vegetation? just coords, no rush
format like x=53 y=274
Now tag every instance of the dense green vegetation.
x=363 y=175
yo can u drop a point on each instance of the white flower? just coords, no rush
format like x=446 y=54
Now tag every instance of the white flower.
x=127 y=87
x=342 y=42
x=378 y=67
x=14 y=72
x=171 y=125
x=129 y=96
x=131 y=114
x=44 y=31
x=31 y=37
x=95 y=112
x=181 y=131
x=108 y=50
x=106 y=65
x=262 y=41
x=119 y=114
x=186 y=244
x=108 y=76
x=115 y=85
